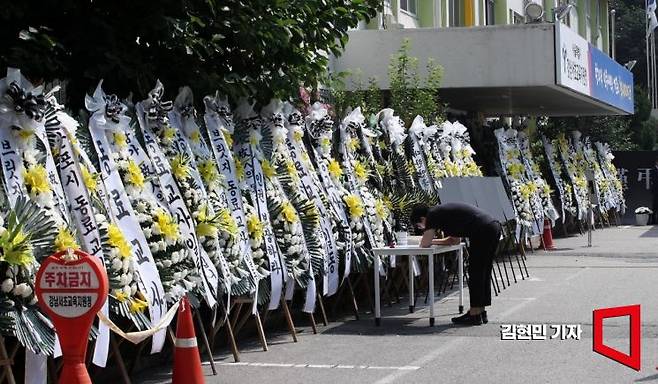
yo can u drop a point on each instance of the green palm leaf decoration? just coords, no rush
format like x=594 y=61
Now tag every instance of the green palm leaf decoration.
x=309 y=218
x=264 y=291
x=33 y=330
x=39 y=228
x=302 y=278
x=28 y=237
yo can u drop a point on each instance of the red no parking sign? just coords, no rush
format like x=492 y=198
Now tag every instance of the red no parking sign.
x=72 y=288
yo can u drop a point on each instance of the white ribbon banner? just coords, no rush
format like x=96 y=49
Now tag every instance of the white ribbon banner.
x=298 y=154
x=204 y=265
x=231 y=194
x=124 y=215
x=256 y=182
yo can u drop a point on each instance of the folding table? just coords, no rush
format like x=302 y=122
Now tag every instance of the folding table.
x=415 y=250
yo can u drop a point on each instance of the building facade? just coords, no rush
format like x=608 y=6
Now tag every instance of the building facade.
x=589 y=18
x=501 y=57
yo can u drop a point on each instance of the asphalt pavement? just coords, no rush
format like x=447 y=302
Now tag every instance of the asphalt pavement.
x=564 y=287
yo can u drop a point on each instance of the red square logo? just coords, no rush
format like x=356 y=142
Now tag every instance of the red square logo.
x=632 y=360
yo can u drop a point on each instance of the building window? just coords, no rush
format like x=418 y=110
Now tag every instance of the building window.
x=490 y=12
x=454 y=8
x=409 y=6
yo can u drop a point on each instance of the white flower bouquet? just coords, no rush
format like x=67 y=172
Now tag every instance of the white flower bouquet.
x=215 y=224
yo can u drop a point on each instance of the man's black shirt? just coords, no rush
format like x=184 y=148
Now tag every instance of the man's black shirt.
x=457 y=219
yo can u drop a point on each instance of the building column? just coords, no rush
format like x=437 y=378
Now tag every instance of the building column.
x=605 y=26
x=501 y=12
x=582 y=18
x=425 y=12
x=469 y=13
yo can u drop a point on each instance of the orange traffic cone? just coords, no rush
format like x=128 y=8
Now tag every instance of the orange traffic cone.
x=548 y=236
x=187 y=362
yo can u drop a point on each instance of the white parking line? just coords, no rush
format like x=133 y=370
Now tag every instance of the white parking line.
x=422 y=360
x=316 y=366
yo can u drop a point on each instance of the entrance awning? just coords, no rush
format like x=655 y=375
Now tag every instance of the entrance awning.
x=500 y=70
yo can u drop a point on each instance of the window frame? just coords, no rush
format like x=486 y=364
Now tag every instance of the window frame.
x=408 y=11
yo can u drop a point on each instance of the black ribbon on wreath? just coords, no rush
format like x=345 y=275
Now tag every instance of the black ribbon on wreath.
x=188 y=111
x=157 y=108
x=26 y=102
x=113 y=108
x=295 y=118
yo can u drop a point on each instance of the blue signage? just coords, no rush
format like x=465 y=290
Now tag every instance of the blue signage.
x=610 y=82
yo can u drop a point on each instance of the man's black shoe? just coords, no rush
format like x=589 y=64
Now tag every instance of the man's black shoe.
x=485 y=319
x=468 y=319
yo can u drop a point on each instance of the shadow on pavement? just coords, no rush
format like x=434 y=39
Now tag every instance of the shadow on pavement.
x=652 y=232
x=390 y=326
x=648 y=378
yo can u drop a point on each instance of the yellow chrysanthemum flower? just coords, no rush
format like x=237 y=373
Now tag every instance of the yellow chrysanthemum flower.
x=512 y=154
x=227 y=222
x=268 y=170
x=137 y=305
x=547 y=190
x=292 y=170
x=387 y=203
x=179 y=167
x=208 y=171
x=120 y=296
x=515 y=170
x=360 y=171
x=297 y=135
x=288 y=212
x=354 y=205
x=239 y=169
x=120 y=139
x=195 y=136
x=206 y=229
x=380 y=209
x=166 y=224
x=353 y=144
x=36 y=179
x=65 y=240
x=536 y=169
x=528 y=189
x=16 y=248
x=168 y=134
x=334 y=169
x=229 y=139
x=206 y=226
x=451 y=168
x=255 y=226
x=305 y=158
x=117 y=240
x=90 y=179
x=134 y=174
x=25 y=134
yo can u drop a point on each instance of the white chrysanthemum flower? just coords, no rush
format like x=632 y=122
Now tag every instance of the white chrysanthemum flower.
x=7 y=285
x=117 y=264
x=20 y=289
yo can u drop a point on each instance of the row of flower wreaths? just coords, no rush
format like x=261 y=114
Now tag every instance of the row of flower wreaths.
x=569 y=159
x=236 y=203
